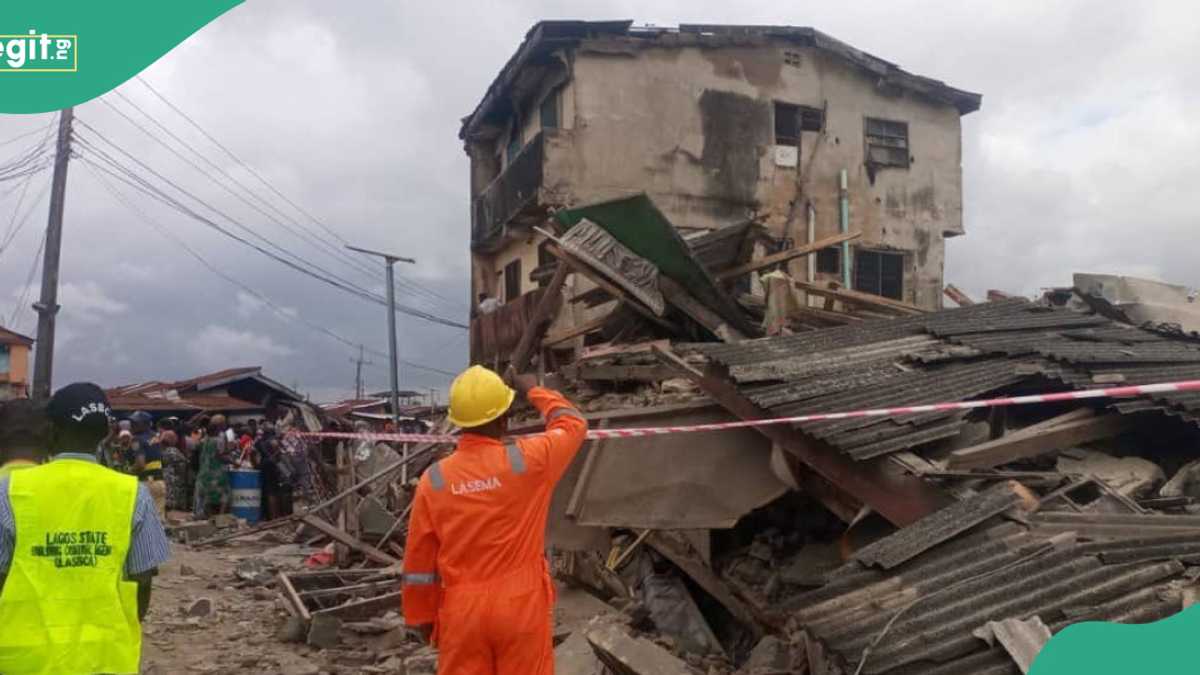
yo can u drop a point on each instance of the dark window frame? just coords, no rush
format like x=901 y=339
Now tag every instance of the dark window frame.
x=793 y=120
x=512 y=280
x=829 y=260
x=879 y=272
x=886 y=143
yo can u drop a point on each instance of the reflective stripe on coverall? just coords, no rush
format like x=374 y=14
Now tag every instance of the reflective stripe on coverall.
x=475 y=564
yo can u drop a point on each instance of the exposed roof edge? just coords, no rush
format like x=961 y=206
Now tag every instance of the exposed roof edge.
x=545 y=36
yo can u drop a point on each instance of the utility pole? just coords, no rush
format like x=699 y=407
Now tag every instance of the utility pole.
x=389 y=261
x=47 y=304
x=358 y=378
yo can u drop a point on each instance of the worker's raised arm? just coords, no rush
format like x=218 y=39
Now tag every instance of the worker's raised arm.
x=422 y=587
x=566 y=429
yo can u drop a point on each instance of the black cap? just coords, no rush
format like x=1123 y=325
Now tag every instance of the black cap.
x=23 y=424
x=80 y=416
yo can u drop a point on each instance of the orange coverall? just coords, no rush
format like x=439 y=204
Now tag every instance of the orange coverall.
x=475 y=564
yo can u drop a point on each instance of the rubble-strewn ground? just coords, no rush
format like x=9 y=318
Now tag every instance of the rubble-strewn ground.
x=242 y=631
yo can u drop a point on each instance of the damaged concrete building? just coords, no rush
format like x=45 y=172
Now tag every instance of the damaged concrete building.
x=783 y=127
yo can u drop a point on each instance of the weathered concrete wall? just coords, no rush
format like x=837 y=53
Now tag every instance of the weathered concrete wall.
x=694 y=128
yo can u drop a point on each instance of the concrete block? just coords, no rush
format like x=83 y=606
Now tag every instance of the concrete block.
x=323 y=631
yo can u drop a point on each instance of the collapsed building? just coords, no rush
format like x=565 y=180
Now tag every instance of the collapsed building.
x=654 y=247
x=783 y=127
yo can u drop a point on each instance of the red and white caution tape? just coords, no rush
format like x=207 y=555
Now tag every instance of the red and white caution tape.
x=595 y=434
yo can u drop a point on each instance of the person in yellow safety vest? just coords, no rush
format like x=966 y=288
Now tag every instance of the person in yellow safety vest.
x=23 y=434
x=79 y=545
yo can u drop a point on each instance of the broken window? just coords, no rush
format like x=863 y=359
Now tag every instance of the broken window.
x=512 y=280
x=829 y=261
x=549 y=110
x=887 y=143
x=791 y=119
x=880 y=273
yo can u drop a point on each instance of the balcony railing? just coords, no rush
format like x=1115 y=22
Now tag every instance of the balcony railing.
x=508 y=193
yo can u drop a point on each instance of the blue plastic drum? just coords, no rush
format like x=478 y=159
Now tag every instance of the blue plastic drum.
x=245 y=486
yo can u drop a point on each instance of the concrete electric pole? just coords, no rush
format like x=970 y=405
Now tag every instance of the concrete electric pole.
x=358 y=378
x=47 y=304
x=389 y=261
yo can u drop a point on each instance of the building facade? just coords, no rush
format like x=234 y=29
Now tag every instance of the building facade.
x=719 y=125
x=14 y=365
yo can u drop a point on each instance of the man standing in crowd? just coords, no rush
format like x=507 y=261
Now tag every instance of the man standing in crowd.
x=23 y=430
x=147 y=460
x=75 y=591
x=476 y=578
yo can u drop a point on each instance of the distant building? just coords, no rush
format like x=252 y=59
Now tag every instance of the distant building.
x=14 y=364
x=238 y=393
x=718 y=125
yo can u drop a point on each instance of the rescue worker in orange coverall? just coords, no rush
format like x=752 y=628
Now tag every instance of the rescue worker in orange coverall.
x=476 y=579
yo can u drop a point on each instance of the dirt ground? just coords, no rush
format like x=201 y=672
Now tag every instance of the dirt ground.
x=240 y=634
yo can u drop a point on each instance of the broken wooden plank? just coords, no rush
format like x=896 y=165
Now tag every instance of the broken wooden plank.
x=618 y=373
x=842 y=484
x=858 y=298
x=355 y=589
x=293 y=598
x=609 y=287
x=689 y=305
x=1024 y=443
x=364 y=608
x=340 y=536
x=582 y=329
x=542 y=316
x=943 y=524
x=961 y=299
x=776 y=258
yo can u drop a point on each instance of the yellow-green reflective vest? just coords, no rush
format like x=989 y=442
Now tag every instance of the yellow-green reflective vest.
x=66 y=608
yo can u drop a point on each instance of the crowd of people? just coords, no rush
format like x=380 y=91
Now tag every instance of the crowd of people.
x=187 y=465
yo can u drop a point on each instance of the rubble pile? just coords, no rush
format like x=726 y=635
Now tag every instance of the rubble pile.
x=931 y=541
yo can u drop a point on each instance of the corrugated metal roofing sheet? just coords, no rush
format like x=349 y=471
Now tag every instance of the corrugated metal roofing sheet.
x=920 y=616
x=951 y=355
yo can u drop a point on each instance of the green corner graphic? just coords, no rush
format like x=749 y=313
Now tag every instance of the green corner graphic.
x=1100 y=648
x=59 y=53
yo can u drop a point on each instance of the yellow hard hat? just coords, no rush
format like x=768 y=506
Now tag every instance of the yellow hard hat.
x=478 y=396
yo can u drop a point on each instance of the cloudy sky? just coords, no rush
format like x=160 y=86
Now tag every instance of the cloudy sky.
x=1080 y=160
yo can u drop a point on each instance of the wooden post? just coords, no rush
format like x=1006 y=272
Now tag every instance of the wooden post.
x=542 y=316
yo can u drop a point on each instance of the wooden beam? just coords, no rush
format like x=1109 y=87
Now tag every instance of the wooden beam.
x=842 y=484
x=293 y=598
x=542 y=316
x=859 y=298
x=1023 y=444
x=673 y=547
x=688 y=304
x=961 y=299
x=340 y=536
x=583 y=329
x=585 y=371
x=775 y=259
x=610 y=288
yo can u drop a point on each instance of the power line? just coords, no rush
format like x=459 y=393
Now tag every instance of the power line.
x=250 y=169
x=14 y=139
x=280 y=311
x=23 y=299
x=299 y=264
x=12 y=232
x=327 y=249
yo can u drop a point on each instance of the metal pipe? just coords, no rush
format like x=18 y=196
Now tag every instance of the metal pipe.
x=844 y=224
x=812 y=236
